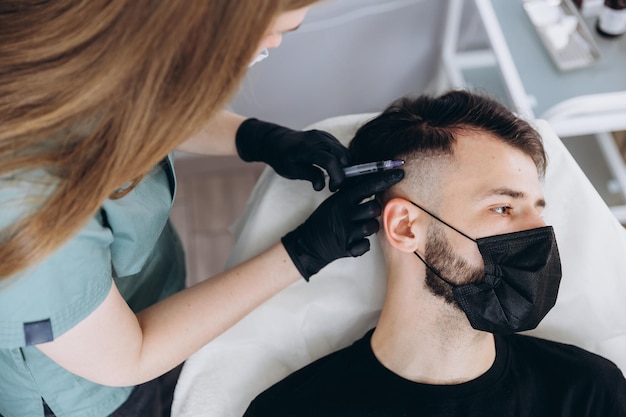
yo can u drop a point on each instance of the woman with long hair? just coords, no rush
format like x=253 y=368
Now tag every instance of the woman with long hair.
x=94 y=98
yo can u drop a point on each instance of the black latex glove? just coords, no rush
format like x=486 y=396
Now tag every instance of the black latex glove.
x=339 y=226
x=293 y=154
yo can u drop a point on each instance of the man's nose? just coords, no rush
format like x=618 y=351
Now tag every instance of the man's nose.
x=533 y=220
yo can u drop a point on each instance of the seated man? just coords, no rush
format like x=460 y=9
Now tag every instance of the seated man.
x=469 y=262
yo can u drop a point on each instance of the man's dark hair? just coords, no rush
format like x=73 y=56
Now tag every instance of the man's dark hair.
x=426 y=126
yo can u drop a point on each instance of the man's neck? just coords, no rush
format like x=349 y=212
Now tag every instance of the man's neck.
x=421 y=338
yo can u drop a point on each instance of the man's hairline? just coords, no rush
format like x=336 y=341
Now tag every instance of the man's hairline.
x=449 y=159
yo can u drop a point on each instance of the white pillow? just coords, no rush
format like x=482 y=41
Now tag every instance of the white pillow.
x=309 y=320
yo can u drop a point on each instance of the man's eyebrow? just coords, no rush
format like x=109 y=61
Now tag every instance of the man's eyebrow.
x=511 y=193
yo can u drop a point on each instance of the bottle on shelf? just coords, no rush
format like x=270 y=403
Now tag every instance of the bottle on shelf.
x=612 y=19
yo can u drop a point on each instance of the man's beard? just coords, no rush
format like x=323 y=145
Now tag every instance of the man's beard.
x=441 y=257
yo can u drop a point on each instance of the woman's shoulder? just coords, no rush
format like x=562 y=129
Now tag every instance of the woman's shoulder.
x=67 y=284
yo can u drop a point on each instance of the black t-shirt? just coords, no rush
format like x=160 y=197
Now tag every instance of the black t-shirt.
x=530 y=377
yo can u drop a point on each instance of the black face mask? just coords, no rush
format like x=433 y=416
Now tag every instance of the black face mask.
x=522 y=277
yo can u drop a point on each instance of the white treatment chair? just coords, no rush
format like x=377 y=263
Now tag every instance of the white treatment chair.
x=309 y=320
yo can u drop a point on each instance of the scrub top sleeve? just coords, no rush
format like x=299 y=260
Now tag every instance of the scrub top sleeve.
x=49 y=298
x=129 y=239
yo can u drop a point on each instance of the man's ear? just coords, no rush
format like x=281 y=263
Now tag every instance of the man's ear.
x=404 y=225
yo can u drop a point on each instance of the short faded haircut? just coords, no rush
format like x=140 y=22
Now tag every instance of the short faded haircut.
x=422 y=131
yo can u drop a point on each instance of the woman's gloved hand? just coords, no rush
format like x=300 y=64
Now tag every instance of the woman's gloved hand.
x=294 y=154
x=339 y=226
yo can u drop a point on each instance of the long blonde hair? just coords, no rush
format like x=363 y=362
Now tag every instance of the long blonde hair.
x=142 y=75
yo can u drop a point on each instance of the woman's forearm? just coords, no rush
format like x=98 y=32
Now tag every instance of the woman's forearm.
x=217 y=137
x=214 y=305
x=113 y=346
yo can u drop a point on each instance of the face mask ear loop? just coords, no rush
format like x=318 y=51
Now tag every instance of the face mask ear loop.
x=437 y=218
x=434 y=271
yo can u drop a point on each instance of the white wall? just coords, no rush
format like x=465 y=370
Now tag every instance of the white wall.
x=349 y=56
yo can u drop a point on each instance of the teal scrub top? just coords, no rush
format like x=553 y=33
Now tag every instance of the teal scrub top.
x=129 y=241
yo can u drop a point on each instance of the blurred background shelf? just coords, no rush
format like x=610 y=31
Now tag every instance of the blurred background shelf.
x=586 y=107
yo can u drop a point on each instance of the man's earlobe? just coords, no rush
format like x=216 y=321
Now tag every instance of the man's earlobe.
x=402 y=225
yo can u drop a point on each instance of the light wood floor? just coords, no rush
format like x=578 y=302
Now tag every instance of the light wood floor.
x=211 y=194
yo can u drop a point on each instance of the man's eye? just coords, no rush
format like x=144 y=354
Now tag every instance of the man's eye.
x=503 y=210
